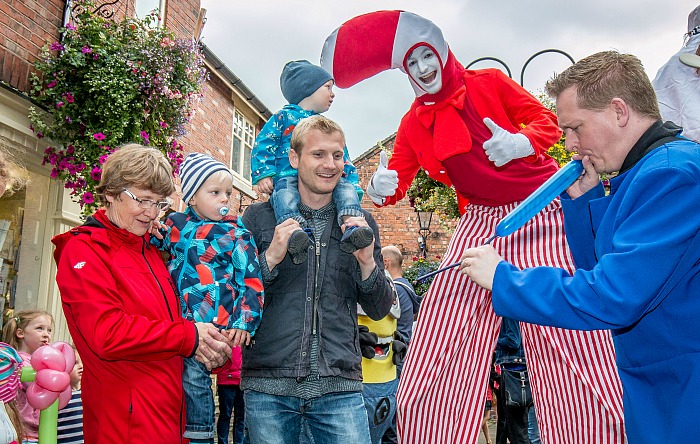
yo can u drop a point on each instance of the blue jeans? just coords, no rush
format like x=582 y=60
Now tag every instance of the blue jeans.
x=533 y=431
x=199 y=401
x=380 y=403
x=230 y=400
x=285 y=200
x=334 y=418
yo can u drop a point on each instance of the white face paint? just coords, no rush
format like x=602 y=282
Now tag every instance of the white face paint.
x=423 y=66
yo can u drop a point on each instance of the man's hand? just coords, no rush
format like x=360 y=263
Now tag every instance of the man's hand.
x=278 y=248
x=384 y=181
x=505 y=146
x=364 y=256
x=589 y=178
x=264 y=185
x=213 y=349
x=480 y=265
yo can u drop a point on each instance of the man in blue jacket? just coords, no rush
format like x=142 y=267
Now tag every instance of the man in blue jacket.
x=637 y=249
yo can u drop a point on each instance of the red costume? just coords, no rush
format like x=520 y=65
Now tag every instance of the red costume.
x=576 y=388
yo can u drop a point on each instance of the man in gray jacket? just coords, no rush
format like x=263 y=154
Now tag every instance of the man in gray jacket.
x=304 y=363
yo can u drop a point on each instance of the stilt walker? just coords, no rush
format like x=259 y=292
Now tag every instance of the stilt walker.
x=480 y=132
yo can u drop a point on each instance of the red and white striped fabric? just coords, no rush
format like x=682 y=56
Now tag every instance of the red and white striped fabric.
x=576 y=388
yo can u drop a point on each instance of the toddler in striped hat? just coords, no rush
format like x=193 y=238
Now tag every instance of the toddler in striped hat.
x=214 y=264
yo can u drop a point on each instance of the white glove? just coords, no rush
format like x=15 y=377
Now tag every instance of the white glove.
x=384 y=181
x=504 y=146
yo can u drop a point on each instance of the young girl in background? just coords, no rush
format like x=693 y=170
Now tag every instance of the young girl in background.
x=26 y=331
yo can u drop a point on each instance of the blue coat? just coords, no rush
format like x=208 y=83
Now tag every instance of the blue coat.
x=637 y=253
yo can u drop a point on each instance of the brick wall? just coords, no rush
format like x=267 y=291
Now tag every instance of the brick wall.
x=181 y=17
x=25 y=27
x=398 y=224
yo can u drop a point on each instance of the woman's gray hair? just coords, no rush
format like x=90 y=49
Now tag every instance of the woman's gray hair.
x=138 y=166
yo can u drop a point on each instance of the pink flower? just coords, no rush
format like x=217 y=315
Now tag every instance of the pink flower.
x=59 y=104
x=52 y=84
x=103 y=158
x=99 y=136
x=56 y=46
x=144 y=135
x=70 y=149
x=96 y=174
x=163 y=125
x=70 y=26
x=86 y=50
x=69 y=97
x=54 y=173
x=88 y=198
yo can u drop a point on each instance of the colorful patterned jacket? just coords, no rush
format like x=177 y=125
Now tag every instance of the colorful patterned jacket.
x=215 y=267
x=270 y=151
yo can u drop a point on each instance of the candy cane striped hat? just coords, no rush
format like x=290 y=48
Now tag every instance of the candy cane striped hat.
x=377 y=41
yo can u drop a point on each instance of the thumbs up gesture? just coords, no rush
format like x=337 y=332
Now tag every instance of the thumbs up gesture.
x=384 y=181
x=504 y=146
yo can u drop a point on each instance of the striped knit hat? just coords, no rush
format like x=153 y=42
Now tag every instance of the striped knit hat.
x=10 y=363
x=195 y=170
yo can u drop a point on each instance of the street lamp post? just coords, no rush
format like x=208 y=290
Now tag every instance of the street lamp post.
x=424 y=219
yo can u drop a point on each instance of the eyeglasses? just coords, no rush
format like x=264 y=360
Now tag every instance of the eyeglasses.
x=147 y=204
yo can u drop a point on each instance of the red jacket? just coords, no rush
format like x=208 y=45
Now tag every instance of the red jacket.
x=125 y=319
x=230 y=372
x=496 y=96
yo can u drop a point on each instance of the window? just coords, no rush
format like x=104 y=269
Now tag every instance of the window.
x=243 y=138
x=145 y=7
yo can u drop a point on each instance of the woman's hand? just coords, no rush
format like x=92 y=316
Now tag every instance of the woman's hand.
x=213 y=349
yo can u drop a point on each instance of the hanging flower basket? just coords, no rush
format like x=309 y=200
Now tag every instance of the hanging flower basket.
x=107 y=83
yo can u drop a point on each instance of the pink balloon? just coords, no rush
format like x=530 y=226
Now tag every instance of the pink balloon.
x=64 y=397
x=68 y=354
x=39 y=398
x=53 y=380
x=48 y=357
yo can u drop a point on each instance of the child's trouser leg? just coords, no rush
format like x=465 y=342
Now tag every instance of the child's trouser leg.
x=285 y=203
x=199 y=402
x=347 y=203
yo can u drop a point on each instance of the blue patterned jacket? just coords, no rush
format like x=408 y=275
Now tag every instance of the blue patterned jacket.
x=271 y=148
x=215 y=267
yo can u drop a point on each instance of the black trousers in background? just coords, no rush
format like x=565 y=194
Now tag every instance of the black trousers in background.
x=512 y=421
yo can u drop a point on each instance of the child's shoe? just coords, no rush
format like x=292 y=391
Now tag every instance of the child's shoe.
x=356 y=238
x=298 y=246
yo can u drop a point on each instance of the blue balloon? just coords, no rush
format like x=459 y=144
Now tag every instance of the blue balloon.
x=540 y=198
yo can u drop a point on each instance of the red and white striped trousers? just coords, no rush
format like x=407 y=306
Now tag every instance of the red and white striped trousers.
x=575 y=384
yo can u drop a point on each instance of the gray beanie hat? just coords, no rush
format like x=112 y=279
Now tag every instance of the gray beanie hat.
x=195 y=170
x=300 y=79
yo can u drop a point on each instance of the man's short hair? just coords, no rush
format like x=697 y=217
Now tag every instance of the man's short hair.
x=395 y=254
x=315 y=122
x=601 y=77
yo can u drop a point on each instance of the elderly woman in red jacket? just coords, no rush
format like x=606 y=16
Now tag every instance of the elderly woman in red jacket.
x=485 y=135
x=122 y=310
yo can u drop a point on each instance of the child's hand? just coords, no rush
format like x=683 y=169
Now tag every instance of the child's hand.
x=238 y=337
x=158 y=229
x=265 y=185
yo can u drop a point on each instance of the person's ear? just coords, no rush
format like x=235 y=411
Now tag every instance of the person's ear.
x=621 y=110
x=19 y=333
x=294 y=159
